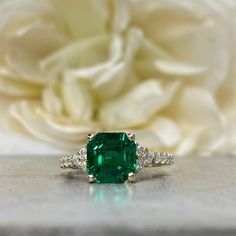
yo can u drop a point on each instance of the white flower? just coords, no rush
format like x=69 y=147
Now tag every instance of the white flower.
x=164 y=69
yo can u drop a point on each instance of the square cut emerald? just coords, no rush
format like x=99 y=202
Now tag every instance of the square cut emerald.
x=111 y=157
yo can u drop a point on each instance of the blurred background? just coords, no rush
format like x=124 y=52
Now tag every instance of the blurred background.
x=164 y=69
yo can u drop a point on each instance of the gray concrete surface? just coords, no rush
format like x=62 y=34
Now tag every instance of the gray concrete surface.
x=196 y=196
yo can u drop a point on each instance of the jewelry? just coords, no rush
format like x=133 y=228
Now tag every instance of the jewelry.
x=114 y=157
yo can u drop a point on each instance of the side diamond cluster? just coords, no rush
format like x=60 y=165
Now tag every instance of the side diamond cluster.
x=146 y=158
x=75 y=161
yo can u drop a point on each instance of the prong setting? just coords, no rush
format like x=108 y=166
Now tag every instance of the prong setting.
x=91 y=179
x=90 y=136
x=131 y=136
x=131 y=177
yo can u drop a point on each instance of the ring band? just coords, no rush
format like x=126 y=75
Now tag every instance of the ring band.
x=114 y=157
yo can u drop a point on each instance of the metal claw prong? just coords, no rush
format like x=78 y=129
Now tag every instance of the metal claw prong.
x=91 y=179
x=131 y=177
x=90 y=136
x=131 y=136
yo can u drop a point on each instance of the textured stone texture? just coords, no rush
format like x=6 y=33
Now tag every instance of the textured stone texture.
x=196 y=196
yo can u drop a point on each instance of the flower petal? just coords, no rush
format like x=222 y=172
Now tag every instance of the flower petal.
x=138 y=105
x=5 y=104
x=51 y=102
x=162 y=132
x=172 y=67
x=112 y=81
x=18 y=89
x=78 y=102
x=80 y=54
x=10 y=84
x=197 y=107
x=83 y=19
x=121 y=15
x=91 y=72
x=33 y=119
x=200 y=120
x=28 y=44
x=205 y=141
x=15 y=13
x=193 y=31
x=25 y=66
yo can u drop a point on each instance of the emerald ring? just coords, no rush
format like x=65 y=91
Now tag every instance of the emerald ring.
x=114 y=157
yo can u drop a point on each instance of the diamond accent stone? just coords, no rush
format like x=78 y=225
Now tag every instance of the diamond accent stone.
x=149 y=158
x=75 y=161
x=157 y=158
x=141 y=154
x=163 y=158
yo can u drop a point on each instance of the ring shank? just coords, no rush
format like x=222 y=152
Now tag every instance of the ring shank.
x=161 y=158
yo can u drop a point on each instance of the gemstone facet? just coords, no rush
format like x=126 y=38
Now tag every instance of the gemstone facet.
x=111 y=157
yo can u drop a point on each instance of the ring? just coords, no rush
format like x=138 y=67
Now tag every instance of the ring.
x=114 y=157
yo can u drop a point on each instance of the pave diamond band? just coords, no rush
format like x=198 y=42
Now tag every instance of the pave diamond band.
x=75 y=161
x=114 y=158
x=152 y=159
x=144 y=159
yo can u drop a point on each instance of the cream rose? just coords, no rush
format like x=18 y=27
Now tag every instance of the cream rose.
x=164 y=69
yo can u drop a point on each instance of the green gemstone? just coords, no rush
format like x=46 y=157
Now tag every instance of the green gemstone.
x=111 y=157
